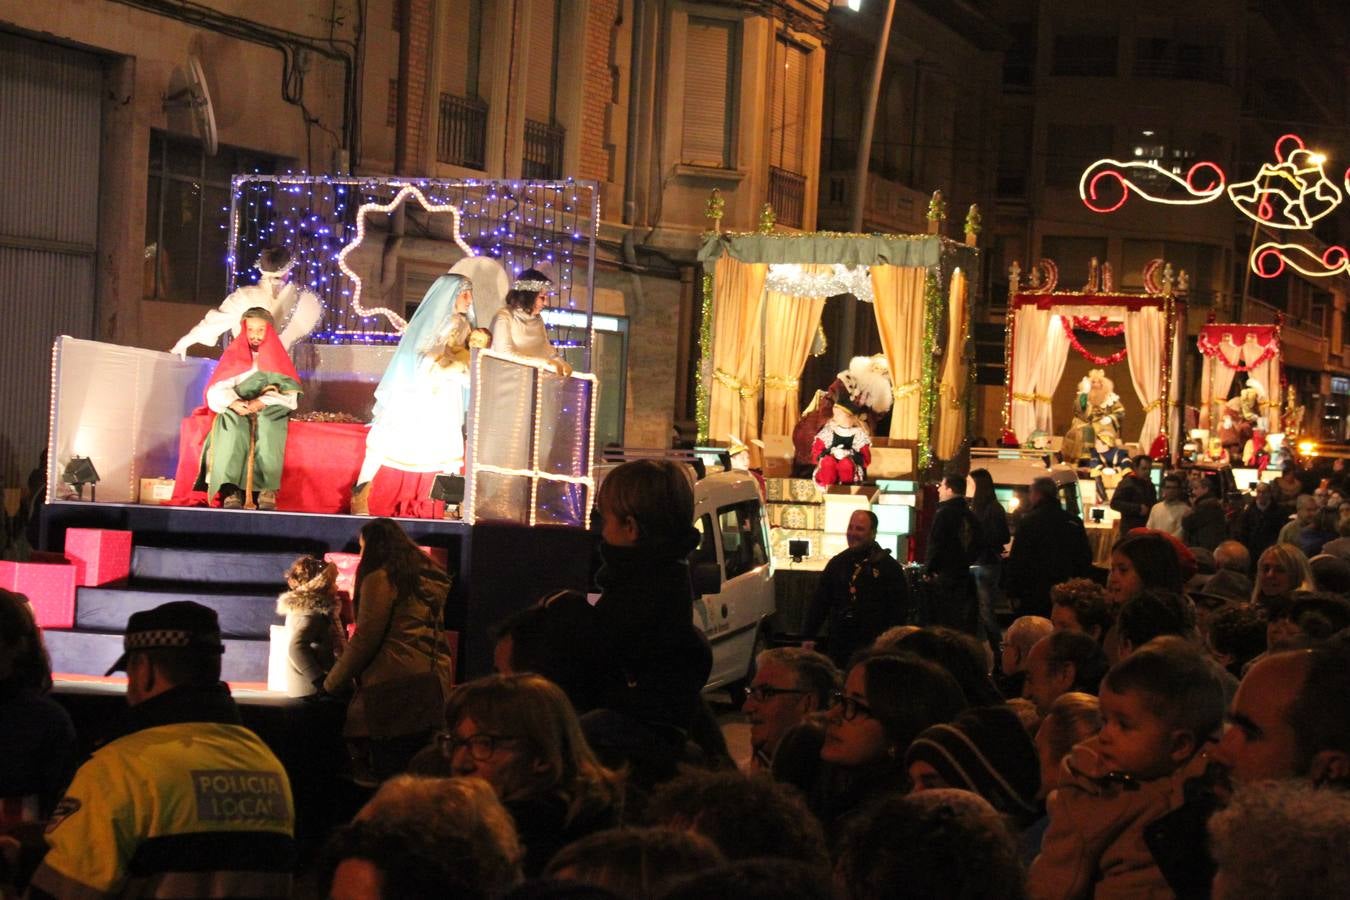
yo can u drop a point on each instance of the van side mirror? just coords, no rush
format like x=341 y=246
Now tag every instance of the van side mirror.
x=707 y=578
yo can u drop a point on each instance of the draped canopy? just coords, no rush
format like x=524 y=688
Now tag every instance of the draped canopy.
x=1039 y=344
x=1229 y=349
x=755 y=338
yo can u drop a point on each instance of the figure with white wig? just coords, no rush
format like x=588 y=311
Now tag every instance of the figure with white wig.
x=418 y=422
x=1097 y=414
x=295 y=310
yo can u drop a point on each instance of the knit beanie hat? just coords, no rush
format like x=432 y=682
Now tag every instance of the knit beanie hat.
x=987 y=751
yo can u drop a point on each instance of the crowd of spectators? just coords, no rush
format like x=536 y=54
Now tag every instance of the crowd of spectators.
x=1152 y=734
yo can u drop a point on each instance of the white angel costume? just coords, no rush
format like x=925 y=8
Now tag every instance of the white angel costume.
x=418 y=424
x=295 y=310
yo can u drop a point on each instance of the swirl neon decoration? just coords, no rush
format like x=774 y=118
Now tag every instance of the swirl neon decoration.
x=1270 y=259
x=1087 y=354
x=407 y=191
x=1202 y=183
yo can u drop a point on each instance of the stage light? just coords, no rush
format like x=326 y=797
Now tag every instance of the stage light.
x=79 y=472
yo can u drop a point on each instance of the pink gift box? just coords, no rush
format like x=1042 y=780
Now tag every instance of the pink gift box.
x=346 y=565
x=100 y=556
x=50 y=588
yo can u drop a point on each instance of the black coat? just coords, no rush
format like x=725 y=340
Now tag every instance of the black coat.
x=955 y=540
x=1206 y=525
x=1132 y=492
x=1259 y=528
x=649 y=659
x=1050 y=546
x=994 y=532
x=861 y=593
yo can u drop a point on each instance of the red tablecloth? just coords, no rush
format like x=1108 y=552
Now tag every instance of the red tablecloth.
x=321 y=465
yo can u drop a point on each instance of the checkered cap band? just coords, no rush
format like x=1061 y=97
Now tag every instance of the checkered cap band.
x=530 y=286
x=156 y=639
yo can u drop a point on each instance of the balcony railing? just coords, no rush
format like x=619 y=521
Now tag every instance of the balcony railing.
x=543 y=150
x=461 y=139
x=787 y=196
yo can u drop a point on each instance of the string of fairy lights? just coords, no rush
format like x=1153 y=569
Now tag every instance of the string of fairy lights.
x=541 y=224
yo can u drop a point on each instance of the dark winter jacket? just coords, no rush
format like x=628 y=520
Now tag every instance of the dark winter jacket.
x=1050 y=546
x=861 y=593
x=994 y=531
x=955 y=540
x=650 y=661
x=1133 y=491
x=314 y=638
x=1205 y=525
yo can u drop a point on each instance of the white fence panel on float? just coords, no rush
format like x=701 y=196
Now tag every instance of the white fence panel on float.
x=530 y=443
x=121 y=407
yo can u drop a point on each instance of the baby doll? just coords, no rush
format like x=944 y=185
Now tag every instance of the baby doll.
x=842 y=450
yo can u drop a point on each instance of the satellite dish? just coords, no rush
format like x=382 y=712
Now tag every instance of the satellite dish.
x=197 y=97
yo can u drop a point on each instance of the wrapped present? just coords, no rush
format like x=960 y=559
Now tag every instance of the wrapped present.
x=797 y=516
x=156 y=490
x=884 y=499
x=346 y=565
x=832 y=545
x=49 y=587
x=896 y=544
x=792 y=490
x=842 y=501
x=100 y=556
x=892 y=519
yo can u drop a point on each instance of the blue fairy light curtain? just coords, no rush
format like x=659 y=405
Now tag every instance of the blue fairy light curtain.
x=522 y=224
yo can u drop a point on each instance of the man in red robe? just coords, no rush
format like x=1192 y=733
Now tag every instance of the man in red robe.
x=252 y=392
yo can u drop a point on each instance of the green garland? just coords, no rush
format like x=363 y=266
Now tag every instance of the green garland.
x=702 y=382
x=932 y=316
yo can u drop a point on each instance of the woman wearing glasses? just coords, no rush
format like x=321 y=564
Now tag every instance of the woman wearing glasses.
x=521 y=735
x=886 y=701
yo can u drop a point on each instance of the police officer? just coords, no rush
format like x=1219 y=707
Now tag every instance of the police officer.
x=187 y=802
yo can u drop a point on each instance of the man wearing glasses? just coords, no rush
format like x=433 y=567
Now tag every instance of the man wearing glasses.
x=790 y=684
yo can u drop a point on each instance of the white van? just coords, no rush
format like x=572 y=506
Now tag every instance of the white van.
x=733 y=572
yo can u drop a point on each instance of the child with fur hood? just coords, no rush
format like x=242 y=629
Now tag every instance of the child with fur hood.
x=311 y=610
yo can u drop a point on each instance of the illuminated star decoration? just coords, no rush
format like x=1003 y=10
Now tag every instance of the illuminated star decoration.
x=1293 y=193
x=407 y=191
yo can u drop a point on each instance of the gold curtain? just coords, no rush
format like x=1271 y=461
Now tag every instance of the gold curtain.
x=899 y=312
x=738 y=297
x=952 y=387
x=790 y=324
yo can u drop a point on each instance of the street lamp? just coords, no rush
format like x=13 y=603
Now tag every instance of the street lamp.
x=869 y=115
x=848 y=324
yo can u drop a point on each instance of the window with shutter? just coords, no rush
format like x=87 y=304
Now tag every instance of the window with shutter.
x=463 y=47
x=709 y=79
x=788 y=107
x=542 y=60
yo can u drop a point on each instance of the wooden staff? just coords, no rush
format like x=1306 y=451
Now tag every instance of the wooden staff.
x=252 y=450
